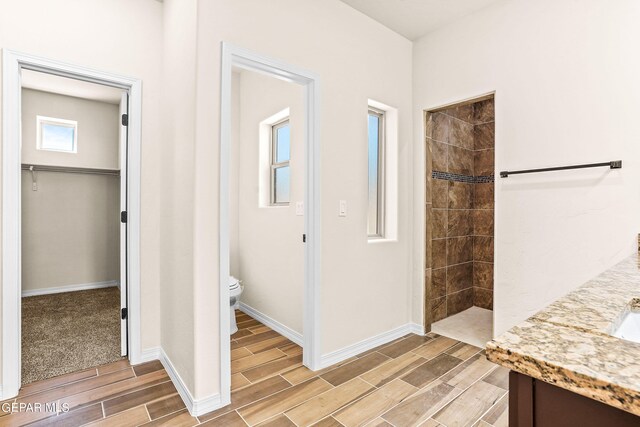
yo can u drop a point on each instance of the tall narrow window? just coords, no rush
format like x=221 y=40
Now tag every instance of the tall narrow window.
x=375 y=211
x=280 y=156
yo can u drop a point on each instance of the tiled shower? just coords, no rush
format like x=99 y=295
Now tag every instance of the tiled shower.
x=460 y=208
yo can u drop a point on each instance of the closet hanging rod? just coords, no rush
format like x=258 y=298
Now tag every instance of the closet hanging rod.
x=614 y=164
x=70 y=169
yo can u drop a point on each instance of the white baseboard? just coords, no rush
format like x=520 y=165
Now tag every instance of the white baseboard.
x=70 y=288
x=369 y=343
x=417 y=329
x=195 y=406
x=283 y=330
x=147 y=355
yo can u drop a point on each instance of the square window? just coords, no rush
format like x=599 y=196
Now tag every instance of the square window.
x=57 y=134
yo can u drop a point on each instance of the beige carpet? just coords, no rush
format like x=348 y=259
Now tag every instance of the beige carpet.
x=68 y=332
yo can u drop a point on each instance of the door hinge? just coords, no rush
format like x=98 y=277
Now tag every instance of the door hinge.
x=125 y=120
x=123 y=313
x=123 y=217
x=304 y=238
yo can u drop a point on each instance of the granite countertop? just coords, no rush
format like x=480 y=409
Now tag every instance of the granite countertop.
x=568 y=344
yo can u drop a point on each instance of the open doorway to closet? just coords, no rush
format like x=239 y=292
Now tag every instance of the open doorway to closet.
x=71 y=219
x=73 y=162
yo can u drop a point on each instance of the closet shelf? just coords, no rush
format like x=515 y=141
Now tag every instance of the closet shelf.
x=70 y=169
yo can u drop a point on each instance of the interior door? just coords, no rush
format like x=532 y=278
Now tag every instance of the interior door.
x=124 y=289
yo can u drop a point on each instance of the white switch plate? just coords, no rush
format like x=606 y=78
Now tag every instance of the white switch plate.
x=343 y=208
x=299 y=208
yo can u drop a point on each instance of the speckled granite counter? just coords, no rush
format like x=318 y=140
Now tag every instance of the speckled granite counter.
x=568 y=343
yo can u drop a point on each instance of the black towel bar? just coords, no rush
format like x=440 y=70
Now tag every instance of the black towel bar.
x=614 y=164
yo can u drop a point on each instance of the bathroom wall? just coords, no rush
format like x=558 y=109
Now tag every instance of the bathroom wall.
x=561 y=98
x=267 y=252
x=459 y=209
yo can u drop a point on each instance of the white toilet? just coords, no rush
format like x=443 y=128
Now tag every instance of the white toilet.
x=235 y=289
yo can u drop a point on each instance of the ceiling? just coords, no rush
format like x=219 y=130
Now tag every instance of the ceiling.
x=415 y=18
x=70 y=87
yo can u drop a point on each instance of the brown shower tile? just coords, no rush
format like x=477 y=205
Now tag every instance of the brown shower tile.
x=459 y=223
x=461 y=134
x=483 y=196
x=428 y=159
x=483 y=275
x=462 y=112
x=459 y=301
x=484 y=136
x=483 y=248
x=484 y=111
x=460 y=160
x=483 y=298
x=428 y=229
x=459 y=277
x=460 y=195
x=438 y=309
x=438 y=283
x=439 y=223
x=428 y=250
x=440 y=193
x=428 y=273
x=482 y=222
x=483 y=164
x=441 y=124
x=428 y=124
x=459 y=250
x=439 y=253
x=439 y=156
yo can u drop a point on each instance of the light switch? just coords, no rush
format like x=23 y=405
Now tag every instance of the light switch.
x=299 y=208
x=343 y=208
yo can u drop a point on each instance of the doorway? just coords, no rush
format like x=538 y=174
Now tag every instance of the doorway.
x=73 y=241
x=460 y=150
x=238 y=58
x=59 y=136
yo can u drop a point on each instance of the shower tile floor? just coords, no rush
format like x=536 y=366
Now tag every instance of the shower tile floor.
x=473 y=326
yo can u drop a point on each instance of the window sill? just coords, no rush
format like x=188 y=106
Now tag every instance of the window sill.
x=376 y=240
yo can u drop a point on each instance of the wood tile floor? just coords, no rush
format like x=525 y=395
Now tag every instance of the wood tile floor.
x=426 y=381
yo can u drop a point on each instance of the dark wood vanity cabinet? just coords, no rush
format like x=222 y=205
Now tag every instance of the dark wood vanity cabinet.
x=536 y=403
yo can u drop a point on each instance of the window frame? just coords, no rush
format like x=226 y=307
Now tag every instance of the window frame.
x=42 y=120
x=380 y=213
x=274 y=165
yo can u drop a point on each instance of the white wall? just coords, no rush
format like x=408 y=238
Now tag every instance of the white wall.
x=120 y=36
x=234 y=177
x=70 y=230
x=566 y=80
x=178 y=298
x=98 y=130
x=268 y=255
x=365 y=287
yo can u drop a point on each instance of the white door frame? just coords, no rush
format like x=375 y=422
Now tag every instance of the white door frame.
x=12 y=64
x=124 y=282
x=245 y=59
